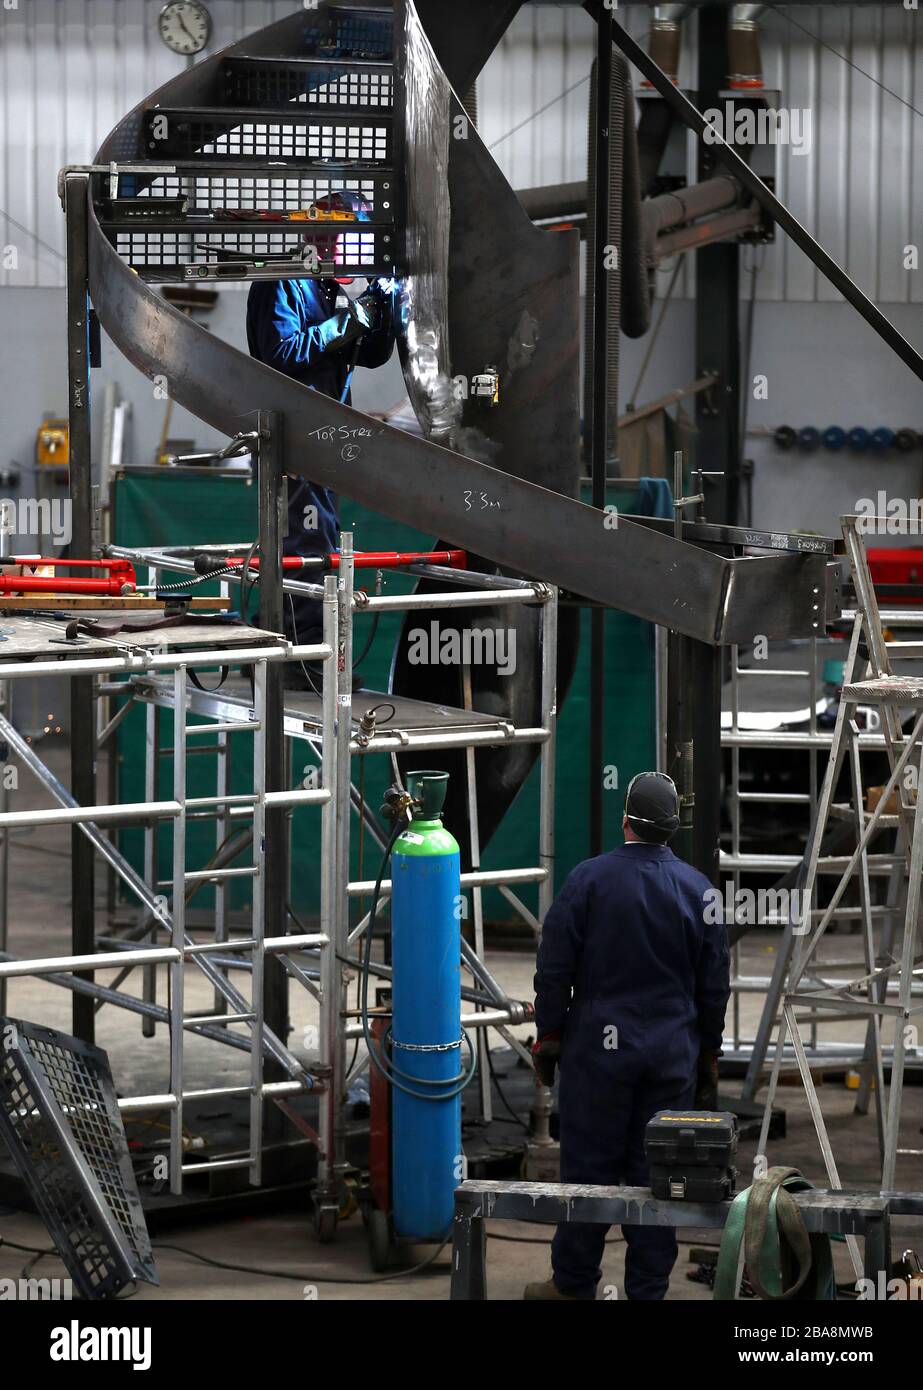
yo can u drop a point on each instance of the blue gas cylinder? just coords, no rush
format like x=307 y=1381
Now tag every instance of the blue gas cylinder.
x=426 y=1017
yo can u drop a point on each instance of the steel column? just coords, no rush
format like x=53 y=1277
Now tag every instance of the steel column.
x=270 y=852
x=549 y=717
x=717 y=333
x=598 y=423
x=343 y=676
x=330 y=966
x=83 y=713
x=178 y=929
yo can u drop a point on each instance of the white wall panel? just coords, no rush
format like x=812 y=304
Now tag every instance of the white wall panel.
x=833 y=148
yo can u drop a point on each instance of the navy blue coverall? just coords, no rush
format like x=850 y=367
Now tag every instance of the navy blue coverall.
x=283 y=322
x=635 y=980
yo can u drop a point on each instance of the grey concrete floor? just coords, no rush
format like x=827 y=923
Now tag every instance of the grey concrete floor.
x=285 y=1242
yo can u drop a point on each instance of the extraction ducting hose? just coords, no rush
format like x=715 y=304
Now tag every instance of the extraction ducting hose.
x=636 y=277
x=629 y=311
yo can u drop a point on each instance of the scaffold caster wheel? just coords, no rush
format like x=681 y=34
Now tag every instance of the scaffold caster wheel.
x=380 y=1241
x=325 y=1224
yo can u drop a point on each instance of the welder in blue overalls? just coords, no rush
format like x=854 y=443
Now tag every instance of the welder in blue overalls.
x=311 y=331
x=630 y=992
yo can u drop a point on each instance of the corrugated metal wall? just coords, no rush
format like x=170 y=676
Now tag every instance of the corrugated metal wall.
x=70 y=68
x=859 y=190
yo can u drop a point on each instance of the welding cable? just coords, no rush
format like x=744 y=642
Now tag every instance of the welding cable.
x=29 y=1249
x=199 y=579
x=388 y=1070
x=384 y=972
x=248 y=584
x=304 y=670
x=471 y=996
x=309 y=1278
x=356 y=660
x=302 y=927
x=502 y=1094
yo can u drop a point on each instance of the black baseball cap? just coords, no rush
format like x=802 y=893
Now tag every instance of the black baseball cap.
x=652 y=806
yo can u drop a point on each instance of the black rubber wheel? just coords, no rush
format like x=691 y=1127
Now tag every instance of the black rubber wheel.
x=325 y=1224
x=379 y=1228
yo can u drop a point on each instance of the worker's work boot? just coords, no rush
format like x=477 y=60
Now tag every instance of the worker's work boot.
x=547 y=1289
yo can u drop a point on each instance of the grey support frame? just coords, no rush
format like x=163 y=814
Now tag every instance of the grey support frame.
x=844 y=1213
x=318 y=961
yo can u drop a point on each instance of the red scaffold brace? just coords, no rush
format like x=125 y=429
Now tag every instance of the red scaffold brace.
x=362 y=559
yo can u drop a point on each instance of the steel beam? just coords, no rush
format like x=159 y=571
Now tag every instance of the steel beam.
x=597 y=425
x=82 y=707
x=528 y=528
x=272 y=854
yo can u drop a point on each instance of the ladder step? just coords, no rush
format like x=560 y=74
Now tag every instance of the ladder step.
x=193 y=1020
x=235 y=726
x=212 y=1166
x=784 y=674
x=340 y=86
x=834 y=864
x=840 y=914
x=293 y=134
x=212 y=875
x=886 y=821
x=778 y=798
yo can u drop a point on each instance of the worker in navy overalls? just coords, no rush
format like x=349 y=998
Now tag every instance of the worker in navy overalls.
x=630 y=992
x=311 y=331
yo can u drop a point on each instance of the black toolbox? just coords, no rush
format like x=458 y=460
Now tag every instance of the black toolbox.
x=691 y=1154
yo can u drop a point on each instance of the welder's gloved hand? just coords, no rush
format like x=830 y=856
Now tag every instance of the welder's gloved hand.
x=362 y=312
x=376 y=307
x=706 y=1086
x=341 y=329
x=545 y=1055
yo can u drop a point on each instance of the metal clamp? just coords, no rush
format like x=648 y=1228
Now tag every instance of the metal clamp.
x=112 y=169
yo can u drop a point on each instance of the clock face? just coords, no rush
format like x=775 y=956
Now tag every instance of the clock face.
x=185 y=26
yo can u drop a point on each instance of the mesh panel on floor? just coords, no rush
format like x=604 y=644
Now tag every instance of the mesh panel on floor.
x=60 y=1120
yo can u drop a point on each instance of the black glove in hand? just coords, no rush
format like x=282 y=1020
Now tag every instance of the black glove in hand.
x=545 y=1055
x=375 y=307
x=706 y=1086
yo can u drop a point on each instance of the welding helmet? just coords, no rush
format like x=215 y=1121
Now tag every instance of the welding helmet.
x=329 y=242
